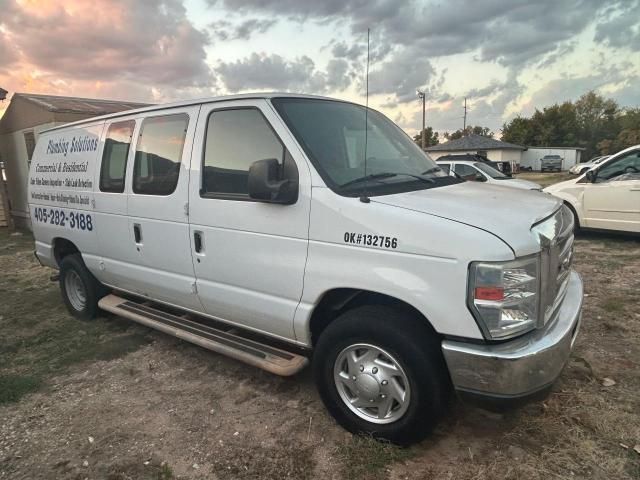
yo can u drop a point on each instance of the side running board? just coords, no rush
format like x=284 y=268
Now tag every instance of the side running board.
x=271 y=359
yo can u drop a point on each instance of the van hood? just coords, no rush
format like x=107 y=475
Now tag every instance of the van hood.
x=519 y=183
x=505 y=212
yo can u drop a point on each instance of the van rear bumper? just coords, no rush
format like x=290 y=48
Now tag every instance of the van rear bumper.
x=511 y=373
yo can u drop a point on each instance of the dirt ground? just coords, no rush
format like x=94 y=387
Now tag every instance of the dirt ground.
x=544 y=179
x=113 y=400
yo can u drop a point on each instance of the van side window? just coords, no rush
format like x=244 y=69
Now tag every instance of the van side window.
x=235 y=139
x=158 y=154
x=114 y=156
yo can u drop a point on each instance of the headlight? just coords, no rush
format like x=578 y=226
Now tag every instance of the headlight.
x=504 y=296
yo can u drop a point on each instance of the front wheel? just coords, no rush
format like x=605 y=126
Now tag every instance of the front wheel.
x=380 y=372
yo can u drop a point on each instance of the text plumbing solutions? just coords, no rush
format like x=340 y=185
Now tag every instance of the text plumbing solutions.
x=80 y=144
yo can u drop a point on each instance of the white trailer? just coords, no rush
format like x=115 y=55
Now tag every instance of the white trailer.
x=531 y=157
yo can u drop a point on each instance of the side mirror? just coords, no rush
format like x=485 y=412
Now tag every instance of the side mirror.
x=479 y=178
x=268 y=182
x=591 y=175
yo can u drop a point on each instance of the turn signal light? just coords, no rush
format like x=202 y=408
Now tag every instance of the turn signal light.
x=489 y=293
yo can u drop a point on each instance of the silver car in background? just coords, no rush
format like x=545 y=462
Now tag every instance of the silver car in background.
x=582 y=168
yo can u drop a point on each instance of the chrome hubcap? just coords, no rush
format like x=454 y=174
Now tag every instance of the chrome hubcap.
x=372 y=383
x=76 y=292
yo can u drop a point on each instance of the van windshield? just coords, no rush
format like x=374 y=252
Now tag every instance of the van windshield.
x=332 y=133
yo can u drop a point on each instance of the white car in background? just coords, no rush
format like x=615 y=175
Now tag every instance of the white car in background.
x=581 y=168
x=481 y=172
x=607 y=196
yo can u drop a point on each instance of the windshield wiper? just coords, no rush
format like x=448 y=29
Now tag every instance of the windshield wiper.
x=431 y=170
x=377 y=176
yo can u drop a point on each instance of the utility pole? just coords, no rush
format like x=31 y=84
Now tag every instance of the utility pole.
x=464 y=122
x=422 y=96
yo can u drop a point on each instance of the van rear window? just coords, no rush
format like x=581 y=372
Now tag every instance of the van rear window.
x=114 y=156
x=158 y=154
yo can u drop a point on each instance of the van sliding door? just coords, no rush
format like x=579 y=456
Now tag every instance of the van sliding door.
x=158 y=208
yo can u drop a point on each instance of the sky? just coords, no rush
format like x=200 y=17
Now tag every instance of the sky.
x=507 y=57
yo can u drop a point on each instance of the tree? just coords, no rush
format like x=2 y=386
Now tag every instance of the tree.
x=430 y=140
x=477 y=130
x=592 y=122
x=518 y=131
x=597 y=120
x=628 y=134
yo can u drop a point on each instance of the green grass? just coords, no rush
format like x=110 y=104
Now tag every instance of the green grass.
x=363 y=457
x=165 y=472
x=38 y=338
x=141 y=472
x=13 y=387
x=614 y=304
x=545 y=179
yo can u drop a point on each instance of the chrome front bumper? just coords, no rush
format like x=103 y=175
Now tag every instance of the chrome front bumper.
x=522 y=367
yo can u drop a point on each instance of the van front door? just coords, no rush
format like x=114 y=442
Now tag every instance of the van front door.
x=613 y=201
x=249 y=255
x=158 y=208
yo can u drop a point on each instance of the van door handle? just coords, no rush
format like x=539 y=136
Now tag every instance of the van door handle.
x=137 y=232
x=197 y=241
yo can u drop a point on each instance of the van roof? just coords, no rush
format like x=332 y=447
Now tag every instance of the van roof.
x=196 y=101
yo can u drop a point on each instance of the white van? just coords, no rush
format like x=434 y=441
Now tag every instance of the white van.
x=252 y=225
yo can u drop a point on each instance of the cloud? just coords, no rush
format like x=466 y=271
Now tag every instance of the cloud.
x=226 y=30
x=619 y=27
x=7 y=54
x=612 y=81
x=508 y=31
x=262 y=71
x=407 y=39
x=350 y=52
x=338 y=75
x=401 y=75
x=84 y=48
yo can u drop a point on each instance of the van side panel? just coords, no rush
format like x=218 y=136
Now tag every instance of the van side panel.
x=426 y=266
x=61 y=182
x=114 y=249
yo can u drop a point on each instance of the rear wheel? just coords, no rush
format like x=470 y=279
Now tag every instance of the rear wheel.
x=380 y=372
x=81 y=291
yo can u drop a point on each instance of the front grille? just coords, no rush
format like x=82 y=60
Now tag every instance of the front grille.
x=556 y=240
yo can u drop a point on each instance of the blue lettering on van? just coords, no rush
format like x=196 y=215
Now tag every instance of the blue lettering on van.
x=61 y=218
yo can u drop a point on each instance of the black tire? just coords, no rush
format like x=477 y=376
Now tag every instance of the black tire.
x=93 y=290
x=412 y=344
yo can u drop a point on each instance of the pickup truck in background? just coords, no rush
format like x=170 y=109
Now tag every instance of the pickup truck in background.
x=551 y=163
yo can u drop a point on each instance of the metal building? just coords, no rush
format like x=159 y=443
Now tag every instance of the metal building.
x=533 y=156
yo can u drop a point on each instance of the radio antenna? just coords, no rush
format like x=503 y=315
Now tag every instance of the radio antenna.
x=365 y=198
